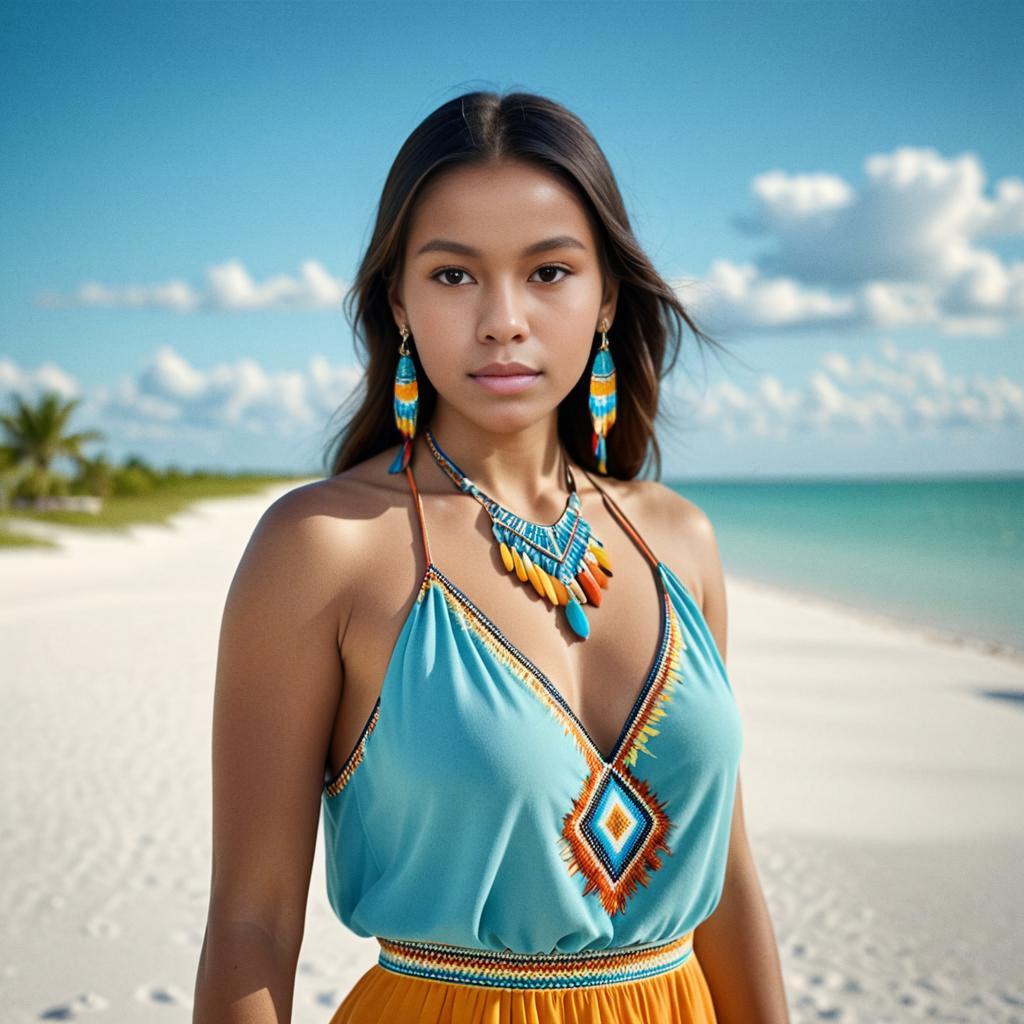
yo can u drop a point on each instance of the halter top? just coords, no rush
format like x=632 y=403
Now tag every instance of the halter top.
x=475 y=809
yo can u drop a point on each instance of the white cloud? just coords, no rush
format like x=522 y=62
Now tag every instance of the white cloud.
x=736 y=296
x=170 y=397
x=903 y=390
x=241 y=395
x=903 y=251
x=783 y=200
x=227 y=286
x=47 y=377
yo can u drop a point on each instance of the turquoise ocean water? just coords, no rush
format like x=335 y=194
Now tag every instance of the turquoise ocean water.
x=943 y=553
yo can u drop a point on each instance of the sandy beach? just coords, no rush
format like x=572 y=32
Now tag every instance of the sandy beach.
x=882 y=775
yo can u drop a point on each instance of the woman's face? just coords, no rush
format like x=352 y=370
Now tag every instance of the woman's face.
x=481 y=285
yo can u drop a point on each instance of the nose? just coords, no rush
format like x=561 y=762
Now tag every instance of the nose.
x=503 y=316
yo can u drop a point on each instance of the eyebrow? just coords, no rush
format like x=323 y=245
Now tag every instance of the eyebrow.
x=547 y=244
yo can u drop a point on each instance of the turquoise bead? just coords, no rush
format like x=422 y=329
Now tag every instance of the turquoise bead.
x=577 y=618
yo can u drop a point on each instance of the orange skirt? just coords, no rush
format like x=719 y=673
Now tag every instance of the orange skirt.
x=430 y=983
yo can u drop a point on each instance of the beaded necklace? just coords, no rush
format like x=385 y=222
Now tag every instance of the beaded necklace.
x=565 y=562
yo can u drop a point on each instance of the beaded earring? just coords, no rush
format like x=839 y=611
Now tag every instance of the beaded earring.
x=407 y=402
x=602 y=398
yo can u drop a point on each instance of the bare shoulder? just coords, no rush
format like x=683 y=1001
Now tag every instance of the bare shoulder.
x=688 y=539
x=673 y=511
x=676 y=528
x=319 y=530
x=306 y=527
x=656 y=503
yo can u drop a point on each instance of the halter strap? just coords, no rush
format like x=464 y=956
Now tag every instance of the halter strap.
x=624 y=521
x=419 y=513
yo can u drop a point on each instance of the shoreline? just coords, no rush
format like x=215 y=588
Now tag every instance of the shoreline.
x=919 y=628
x=907 y=624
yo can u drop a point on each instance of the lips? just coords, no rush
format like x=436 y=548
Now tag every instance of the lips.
x=506 y=378
x=505 y=370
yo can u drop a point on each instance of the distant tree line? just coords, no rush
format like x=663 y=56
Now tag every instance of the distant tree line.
x=36 y=436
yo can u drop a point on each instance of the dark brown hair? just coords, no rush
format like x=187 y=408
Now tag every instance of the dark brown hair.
x=478 y=128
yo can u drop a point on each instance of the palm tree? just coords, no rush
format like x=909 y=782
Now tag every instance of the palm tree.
x=35 y=436
x=6 y=466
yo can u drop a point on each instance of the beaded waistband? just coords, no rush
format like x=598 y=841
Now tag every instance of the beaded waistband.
x=468 y=966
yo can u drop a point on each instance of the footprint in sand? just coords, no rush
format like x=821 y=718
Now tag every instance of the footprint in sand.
x=828 y=1013
x=87 y=1002
x=836 y=981
x=163 y=995
x=809 y=1009
x=331 y=998
x=1013 y=997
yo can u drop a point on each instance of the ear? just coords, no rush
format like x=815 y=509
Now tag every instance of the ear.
x=608 y=303
x=397 y=307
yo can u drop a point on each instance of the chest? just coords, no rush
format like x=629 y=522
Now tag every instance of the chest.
x=599 y=679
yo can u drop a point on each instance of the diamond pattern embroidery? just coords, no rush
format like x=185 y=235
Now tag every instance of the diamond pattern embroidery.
x=615 y=833
x=617 y=828
x=616 y=824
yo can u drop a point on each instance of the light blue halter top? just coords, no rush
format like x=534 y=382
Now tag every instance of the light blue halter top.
x=475 y=809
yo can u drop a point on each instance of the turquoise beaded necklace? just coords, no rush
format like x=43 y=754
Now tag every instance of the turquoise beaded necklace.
x=565 y=562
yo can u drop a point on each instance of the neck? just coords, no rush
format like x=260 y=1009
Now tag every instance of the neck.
x=522 y=469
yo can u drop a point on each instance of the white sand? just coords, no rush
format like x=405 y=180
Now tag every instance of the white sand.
x=882 y=790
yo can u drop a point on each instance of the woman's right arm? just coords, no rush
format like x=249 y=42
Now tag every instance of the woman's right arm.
x=278 y=684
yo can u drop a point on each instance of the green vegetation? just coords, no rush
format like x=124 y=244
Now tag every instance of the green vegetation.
x=116 y=496
x=10 y=539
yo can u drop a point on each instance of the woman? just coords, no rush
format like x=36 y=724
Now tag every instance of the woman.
x=488 y=653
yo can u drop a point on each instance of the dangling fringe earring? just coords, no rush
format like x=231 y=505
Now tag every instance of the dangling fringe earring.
x=602 y=398
x=407 y=402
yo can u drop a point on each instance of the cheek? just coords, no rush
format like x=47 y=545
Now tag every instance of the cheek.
x=439 y=331
x=572 y=365
x=444 y=359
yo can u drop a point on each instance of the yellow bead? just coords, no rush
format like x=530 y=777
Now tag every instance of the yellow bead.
x=549 y=588
x=602 y=557
x=506 y=557
x=531 y=574
x=520 y=568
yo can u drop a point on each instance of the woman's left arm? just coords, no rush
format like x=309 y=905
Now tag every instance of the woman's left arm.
x=736 y=945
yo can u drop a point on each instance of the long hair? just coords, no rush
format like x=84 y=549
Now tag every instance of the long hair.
x=478 y=128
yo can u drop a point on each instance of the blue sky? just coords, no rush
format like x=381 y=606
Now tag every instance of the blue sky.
x=836 y=188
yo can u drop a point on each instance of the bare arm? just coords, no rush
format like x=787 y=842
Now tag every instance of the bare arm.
x=277 y=688
x=736 y=945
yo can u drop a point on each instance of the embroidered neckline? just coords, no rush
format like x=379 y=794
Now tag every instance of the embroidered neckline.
x=617 y=828
x=669 y=624
x=631 y=726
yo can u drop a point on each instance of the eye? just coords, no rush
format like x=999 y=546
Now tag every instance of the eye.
x=447 y=270
x=448 y=283
x=552 y=266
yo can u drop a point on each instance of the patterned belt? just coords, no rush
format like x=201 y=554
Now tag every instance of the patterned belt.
x=468 y=966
